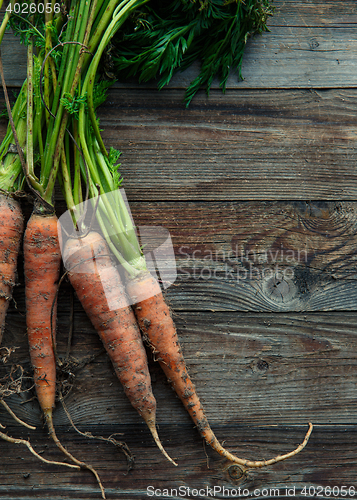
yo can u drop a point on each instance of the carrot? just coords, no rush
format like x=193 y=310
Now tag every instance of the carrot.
x=157 y=326
x=11 y=227
x=42 y=259
x=97 y=283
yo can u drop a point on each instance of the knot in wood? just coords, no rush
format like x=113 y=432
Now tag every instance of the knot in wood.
x=235 y=472
x=314 y=44
x=259 y=366
x=262 y=365
x=279 y=288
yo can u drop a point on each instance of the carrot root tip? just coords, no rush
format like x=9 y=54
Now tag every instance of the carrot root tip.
x=153 y=430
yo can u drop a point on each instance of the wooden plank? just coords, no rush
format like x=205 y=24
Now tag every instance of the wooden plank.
x=256 y=256
x=259 y=256
x=14 y=60
x=261 y=377
x=293 y=57
x=245 y=145
x=24 y=480
x=318 y=13
x=309 y=46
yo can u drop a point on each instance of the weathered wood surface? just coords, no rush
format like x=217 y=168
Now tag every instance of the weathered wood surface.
x=253 y=373
x=262 y=377
x=245 y=145
x=254 y=256
x=268 y=353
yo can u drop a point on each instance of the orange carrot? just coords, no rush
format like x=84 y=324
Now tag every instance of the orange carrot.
x=42 y=259
x=97 y=284
x=11 y=227
x=157 y=326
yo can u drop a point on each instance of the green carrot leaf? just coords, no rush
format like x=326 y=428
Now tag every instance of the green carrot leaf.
x=72 y=104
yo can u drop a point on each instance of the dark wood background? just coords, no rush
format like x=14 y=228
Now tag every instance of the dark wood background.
x=269 y=334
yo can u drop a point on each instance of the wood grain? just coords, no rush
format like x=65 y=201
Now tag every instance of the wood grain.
x=318 y=13
x=258 y=256
x=261 y=377
x=246 y=145
x=328 y=446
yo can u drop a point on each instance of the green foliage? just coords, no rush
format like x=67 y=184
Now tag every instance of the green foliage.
x=4 y=113
x=113 y=157
x=72 y=104
x=162 y=38
x=113 y=165
x=28 y=27
x=100 y=92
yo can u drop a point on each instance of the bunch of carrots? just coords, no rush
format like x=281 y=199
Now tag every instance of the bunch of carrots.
x=53 y=134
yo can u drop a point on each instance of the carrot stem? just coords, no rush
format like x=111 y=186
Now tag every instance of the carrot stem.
x=30 y=172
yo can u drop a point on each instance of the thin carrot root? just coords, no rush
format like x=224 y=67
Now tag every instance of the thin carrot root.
x=123 y=446
x=158 y=328
x=12 y=384
x=15 y=417
x=26 y=443
x=150 y=422
x=97 y=283
x=11 y=226
x=83 y=465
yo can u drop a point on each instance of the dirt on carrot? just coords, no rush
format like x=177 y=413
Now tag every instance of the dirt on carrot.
x=97 y=283
x=159 y=330
x=42 y=260
x=11 y=227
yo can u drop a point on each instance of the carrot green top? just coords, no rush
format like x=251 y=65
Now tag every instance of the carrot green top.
x=55 y=113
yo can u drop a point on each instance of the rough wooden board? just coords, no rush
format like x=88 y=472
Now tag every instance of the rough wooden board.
x=330 y=446
x=257 y=256
x=293 y=57
x=14 y=60
x=261 y=377
x=308 y=46
x=317 y=13
x=293 y=144
x=245 y=145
